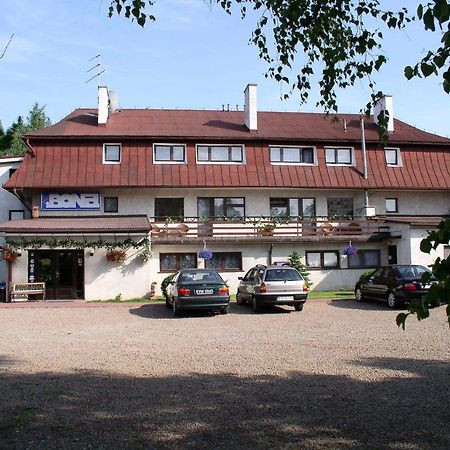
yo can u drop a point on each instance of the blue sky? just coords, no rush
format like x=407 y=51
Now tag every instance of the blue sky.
x=193 y=57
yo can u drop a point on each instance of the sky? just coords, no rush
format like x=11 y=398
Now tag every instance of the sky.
x=193 y=57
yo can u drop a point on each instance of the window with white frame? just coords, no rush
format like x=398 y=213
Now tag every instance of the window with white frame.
x=112 y=153
x=288 y=207
x=292 y=155
x=225 y=261
x=393 y=157
x=391 y=205
x=170 y=262
x=339 y=155
x=169 y=153
x=322 y=259
x=220 y=154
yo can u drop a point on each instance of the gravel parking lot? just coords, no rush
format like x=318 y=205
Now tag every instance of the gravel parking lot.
x=339 y=375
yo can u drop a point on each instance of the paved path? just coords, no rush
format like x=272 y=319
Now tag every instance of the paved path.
x=338 y=375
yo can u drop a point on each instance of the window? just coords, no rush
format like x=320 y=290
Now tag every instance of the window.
x=232 y=207
x=341 y=155
x=171 y=262
x=169 y=207
x=11 y=172
x=391 y=205
x=225 y=261
x=364 y=258
x=322 y=259
x=168 y=153
x=16 y=214
x=110 y=204
x=288 y=207
x=393 y=158
x=220 y=153
x=292 y=155
x=112 y=153
x=340 y=207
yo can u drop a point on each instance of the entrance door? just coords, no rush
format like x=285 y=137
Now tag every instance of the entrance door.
x=61 y=270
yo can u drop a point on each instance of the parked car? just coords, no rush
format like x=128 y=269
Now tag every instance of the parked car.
x=197 y=289
x=275 y=285
x=396 y=285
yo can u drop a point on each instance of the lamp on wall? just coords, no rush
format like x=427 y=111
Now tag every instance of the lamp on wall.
x=19 y=252
x=91 y=252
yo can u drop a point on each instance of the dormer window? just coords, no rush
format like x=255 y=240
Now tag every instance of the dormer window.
x=169 y=153
x=292 y=155
x=342 y=156
x=112 y=153
x=220 y=154
x=393 y=157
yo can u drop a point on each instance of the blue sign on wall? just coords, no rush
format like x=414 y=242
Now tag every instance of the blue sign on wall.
x=70 y=202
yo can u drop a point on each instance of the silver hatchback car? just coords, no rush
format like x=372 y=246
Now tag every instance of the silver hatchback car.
x=275 y=285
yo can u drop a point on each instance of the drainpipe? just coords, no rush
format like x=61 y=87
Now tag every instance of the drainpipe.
x=21 y=199
x=364 y=158
x=30 y=148
x=270 y=254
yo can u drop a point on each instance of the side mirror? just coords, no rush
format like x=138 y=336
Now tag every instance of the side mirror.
x=171 y=282
x=239 y=278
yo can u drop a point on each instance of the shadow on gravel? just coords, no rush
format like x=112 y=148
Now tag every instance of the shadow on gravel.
x=367 y=305
x=159 y=311
x=104 y=411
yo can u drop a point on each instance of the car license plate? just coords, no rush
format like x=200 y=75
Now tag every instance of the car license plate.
x=283 y=298
x=204 y=291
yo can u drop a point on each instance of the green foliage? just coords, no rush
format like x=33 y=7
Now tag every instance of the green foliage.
x=439 y=292
x=300 y=38
x=118 y=298
x=11 y=142
x=165 y=283
x=295 y=260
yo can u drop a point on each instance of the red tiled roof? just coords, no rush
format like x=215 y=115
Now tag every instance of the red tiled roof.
x=132 y=224
x=226 y=125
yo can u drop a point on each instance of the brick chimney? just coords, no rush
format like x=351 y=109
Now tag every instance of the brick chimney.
x=103 y=105
x=386 y=103
x=251 y=108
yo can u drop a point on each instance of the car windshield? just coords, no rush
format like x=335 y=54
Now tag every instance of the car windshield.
x=282 y=275
x=411 y=271
x=200 y=275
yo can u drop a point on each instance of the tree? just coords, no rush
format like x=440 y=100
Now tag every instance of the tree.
x=295 y=260
x=11 y=143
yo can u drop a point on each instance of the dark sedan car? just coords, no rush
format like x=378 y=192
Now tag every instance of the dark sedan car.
x=197 y=289
x=395 y=285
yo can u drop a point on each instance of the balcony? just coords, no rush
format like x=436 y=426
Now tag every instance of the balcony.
x=267 y=229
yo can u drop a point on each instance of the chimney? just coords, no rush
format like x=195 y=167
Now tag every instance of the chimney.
x=103 y=105
x=385 y=104
x=251 y=109
x=113 y=101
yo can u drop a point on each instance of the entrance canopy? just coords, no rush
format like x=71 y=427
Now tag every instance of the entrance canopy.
x=77 y=225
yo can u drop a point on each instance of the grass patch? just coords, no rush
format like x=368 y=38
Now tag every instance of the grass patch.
x=18 y=417
x=344 y=295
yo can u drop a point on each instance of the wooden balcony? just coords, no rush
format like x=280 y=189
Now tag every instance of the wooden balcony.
x=268 y=229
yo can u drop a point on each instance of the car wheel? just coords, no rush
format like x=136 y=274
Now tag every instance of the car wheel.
x=358 y=295
x=224 y=310
x=391 y=300
x=239 y=300
x=298 y=306
x=255 y=306
x=175 y=309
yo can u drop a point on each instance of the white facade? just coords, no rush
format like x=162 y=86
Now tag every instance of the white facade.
x=8 y=202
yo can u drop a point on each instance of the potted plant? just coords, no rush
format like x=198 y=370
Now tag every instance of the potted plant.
x=116 y=255
x=9 y=254
x=266 y=229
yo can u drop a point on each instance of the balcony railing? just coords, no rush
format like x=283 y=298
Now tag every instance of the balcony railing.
x=267 y=228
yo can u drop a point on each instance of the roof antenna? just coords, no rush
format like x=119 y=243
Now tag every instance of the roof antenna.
x=98 y=67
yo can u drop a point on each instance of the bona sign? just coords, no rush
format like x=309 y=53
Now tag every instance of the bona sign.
x=68 y=202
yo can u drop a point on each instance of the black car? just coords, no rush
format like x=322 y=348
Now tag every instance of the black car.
x=197 y=289
x=395 y=285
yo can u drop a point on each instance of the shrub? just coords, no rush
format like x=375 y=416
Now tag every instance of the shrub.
x=165 y=283
x=295 y=260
